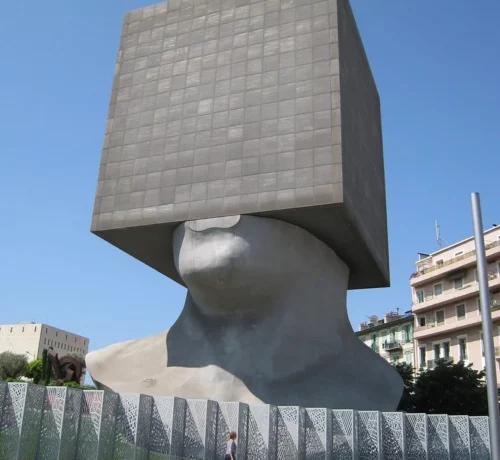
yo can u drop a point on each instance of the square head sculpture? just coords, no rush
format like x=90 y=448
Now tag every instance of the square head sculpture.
x=239 y=107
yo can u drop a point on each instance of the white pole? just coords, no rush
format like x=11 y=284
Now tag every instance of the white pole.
x=489 y=349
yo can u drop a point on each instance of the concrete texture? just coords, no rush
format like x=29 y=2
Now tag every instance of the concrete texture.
x=264 y=320
x=238 y=107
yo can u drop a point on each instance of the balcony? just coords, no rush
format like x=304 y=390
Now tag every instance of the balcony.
x=431 y=272
x=430 y=300
x=453 y=324
x=392 y=346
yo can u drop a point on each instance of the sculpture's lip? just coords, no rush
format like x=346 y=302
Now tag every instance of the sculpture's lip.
x=201 y=225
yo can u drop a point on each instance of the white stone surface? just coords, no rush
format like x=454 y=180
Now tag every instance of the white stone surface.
x=265 y=320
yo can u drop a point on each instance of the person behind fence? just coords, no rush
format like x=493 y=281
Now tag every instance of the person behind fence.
x=231 y=447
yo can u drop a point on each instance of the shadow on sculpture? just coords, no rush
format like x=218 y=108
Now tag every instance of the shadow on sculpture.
x=265 y=320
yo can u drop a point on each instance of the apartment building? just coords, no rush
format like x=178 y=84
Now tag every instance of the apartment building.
x=445 y=303
x=31 y=339
x=391 y=336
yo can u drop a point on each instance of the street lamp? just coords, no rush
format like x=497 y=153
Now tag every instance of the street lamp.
x=487 y=323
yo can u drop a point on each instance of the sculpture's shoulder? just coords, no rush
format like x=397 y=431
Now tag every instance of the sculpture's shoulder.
x=135 y=357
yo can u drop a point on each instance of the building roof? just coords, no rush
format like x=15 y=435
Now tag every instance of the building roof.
x=454 y=245
x=405 y=319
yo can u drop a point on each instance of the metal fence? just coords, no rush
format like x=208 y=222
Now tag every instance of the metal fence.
x=58 y=423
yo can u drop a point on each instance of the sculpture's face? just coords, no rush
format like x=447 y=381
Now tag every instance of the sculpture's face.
x=233 y=256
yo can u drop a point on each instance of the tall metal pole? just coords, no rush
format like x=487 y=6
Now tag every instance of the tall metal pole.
x=489 y=350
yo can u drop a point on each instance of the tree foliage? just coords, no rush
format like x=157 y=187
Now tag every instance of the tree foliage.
x=449 y=388
x=46 y=373
x=12 y=365
x=405 y=370
x=34 y=370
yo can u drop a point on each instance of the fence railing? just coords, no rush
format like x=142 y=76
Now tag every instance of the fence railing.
x=431 y=268
x=64 y=423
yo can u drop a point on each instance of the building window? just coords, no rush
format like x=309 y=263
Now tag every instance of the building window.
x=35 y=328
x=438 y=290
x=436 y=351
x=421 y=352
x=421 y=321
x=66 y=336
x=420 y=296
x=462 y=349
x=75 y=339
x=23 y=329
x=10 y=329
x=85 y=342
x=460 y=311
x=407 y=333
x=57 y=333
x=459 y=253
x=458 y=283
x=440 y=317
x=446 y=350
x=46 y=330
x=45 y=341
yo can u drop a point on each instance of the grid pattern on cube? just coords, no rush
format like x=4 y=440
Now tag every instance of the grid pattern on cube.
x=416 y=436
x=221 y=105
x=343 y=431
x=479 y=438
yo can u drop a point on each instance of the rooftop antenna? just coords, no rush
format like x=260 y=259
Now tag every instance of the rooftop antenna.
x=438 y=235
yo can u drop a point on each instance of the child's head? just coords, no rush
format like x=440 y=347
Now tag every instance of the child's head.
x=232 y=435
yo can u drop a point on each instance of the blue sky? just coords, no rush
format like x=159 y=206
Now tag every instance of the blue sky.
x=437 y=67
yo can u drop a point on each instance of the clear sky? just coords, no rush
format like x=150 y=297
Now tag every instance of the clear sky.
x=437 y=67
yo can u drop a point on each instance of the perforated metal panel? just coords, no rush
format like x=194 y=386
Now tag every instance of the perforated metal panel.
x=57 y=423
x=438 y=437
x=416 y=436
x=344 y=434
x=479 y=435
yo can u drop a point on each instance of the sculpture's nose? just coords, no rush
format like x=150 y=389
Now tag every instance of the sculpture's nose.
x=207 y=224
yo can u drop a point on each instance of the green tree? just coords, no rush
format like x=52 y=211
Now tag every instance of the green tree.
x=46 y=368
x=12 y=365
x=449 y=388
x=34 y=370
x=405 y=370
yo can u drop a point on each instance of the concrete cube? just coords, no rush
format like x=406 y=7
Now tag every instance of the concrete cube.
x=242 y=107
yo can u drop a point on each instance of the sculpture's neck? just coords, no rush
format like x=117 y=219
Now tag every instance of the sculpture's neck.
x=282 y=336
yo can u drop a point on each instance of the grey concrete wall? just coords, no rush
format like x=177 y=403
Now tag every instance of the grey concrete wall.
x=231 y=107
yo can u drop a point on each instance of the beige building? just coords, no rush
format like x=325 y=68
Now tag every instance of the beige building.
x=445 y=306
x=391 y=337
x=31 y=339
